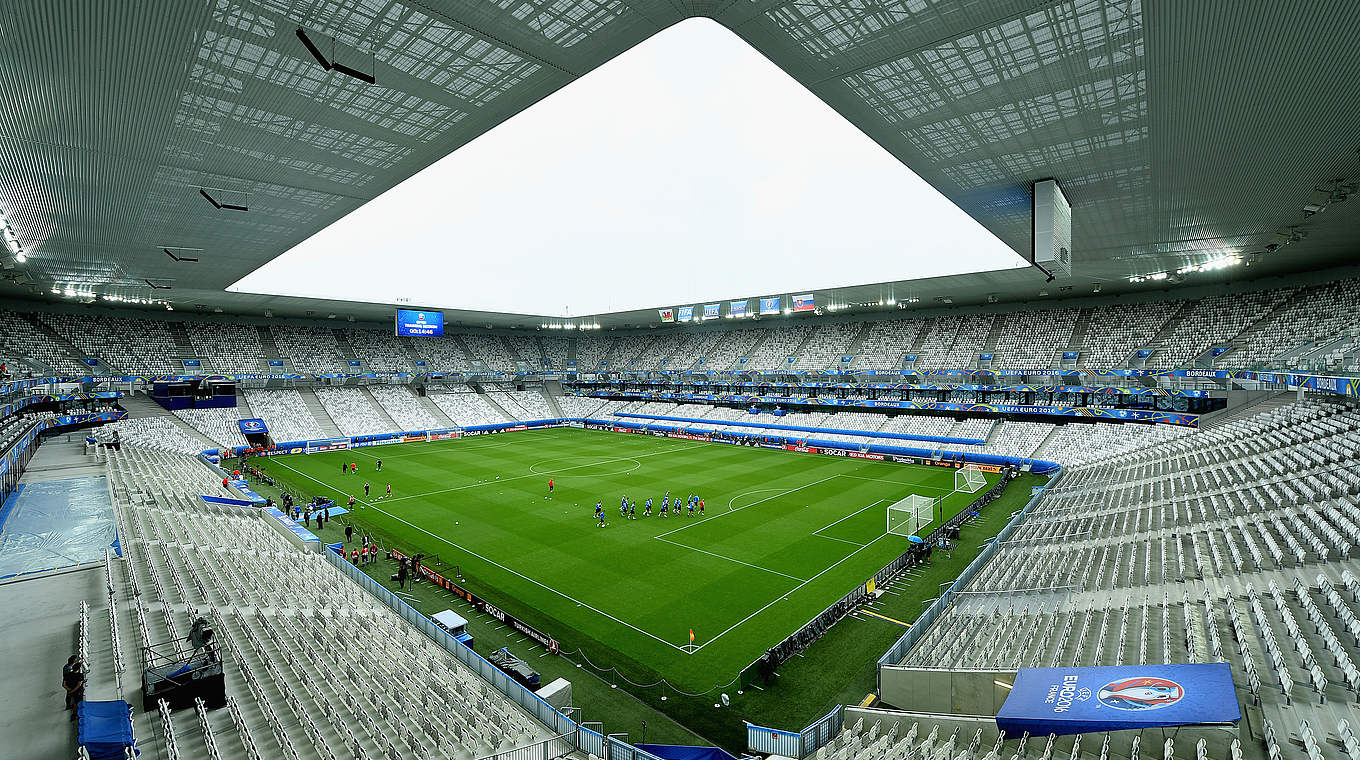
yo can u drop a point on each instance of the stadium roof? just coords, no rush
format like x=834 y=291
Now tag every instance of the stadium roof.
x=1181 y=132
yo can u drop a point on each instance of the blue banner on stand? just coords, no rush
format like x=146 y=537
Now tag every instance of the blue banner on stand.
x=252 y=426
x=1066 y=701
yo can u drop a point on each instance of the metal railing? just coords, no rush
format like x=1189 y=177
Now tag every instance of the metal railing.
x=548 y=749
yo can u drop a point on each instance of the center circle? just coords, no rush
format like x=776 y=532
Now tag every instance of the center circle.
x=579 y=466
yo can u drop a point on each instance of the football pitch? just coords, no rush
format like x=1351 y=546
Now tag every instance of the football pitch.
x=784 y=535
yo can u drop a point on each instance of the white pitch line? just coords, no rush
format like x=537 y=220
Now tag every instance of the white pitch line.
x=748 y=493
x=896 y=483
x=843 y=519
x=790 y=592
x=729 y=559
x=488 y=560
x=842 y=540
x=748 y=506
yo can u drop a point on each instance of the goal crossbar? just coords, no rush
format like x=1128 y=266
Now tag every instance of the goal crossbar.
x=969 y=479
x=907 y=516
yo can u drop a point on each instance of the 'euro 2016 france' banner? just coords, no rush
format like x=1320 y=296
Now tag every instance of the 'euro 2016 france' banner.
x=1066 y=701
x=252 y=427
x=416 y=323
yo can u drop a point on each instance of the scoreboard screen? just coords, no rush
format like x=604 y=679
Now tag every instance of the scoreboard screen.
x=415 y=323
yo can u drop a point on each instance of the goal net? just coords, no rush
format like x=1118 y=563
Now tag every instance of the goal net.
x=969 y=479
x=327 y=444
x=908 y=516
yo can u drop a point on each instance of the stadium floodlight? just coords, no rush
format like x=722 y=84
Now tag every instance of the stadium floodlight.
x=969 y=479
x=909 y=515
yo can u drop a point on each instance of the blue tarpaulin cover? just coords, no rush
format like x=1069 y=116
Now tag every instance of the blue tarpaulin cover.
x=1080 y=700
x=104 y=729
x=684 y=752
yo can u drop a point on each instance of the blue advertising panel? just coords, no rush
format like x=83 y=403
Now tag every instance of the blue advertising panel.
x=711 y=310
x=252 y=426
x=685 y=313
x=1066 y=701
x=414 y=323
x=769 y=305
x=192 y=363
x=276 y=362
x=737 y=308
x=1070 y=354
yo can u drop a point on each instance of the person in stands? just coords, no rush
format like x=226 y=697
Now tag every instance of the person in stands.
x=73 y=681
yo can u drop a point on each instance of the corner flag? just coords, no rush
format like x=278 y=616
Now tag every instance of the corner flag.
x=691 y=635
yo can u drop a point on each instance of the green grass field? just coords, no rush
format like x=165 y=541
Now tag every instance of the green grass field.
x=785 y=535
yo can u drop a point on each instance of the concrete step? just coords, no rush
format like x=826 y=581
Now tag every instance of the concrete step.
x=318 y=410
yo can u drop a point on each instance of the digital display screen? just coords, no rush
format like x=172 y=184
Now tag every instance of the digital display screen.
x=415 y=323
x=769 y=305
x=804 y=303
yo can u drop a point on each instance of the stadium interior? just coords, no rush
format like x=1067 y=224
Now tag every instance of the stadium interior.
x=1099 y=505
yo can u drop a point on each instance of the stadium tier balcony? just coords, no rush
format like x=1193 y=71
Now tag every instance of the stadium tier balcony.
x=1212 y=321
x=468 y=409
x=217 y=425
x=886 y=342
x=652 y=355
x=1034 y=339
x=827 y=345
x=779 y=345
x=20 y=338
x=940 y=333
x=403 y=407
x=1313 y=314
x=352 y=412
x=312 y=349
x=135 y=346
x=729 y=346
x=440 y=354
x=1116 y=331
x=590 y=351
x=918 y=424
x=491 y=350
x=968 y=342
x=379 y=351
x=556 y=351
x=230 y=348
x=285 y=413
x=624 y=351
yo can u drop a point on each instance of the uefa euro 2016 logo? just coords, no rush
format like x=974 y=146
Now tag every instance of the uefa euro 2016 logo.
x=1144 y=693
x=420 y=317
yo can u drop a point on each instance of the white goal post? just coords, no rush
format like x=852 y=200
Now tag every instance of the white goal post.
x=909 y=515
x=327 y=444
x=969 y=479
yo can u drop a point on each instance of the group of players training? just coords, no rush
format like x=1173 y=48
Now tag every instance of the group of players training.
x=628 y=507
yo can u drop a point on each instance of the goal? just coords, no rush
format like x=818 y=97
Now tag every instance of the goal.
x=969 y=479
x=909 y=515
x=327 y=444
